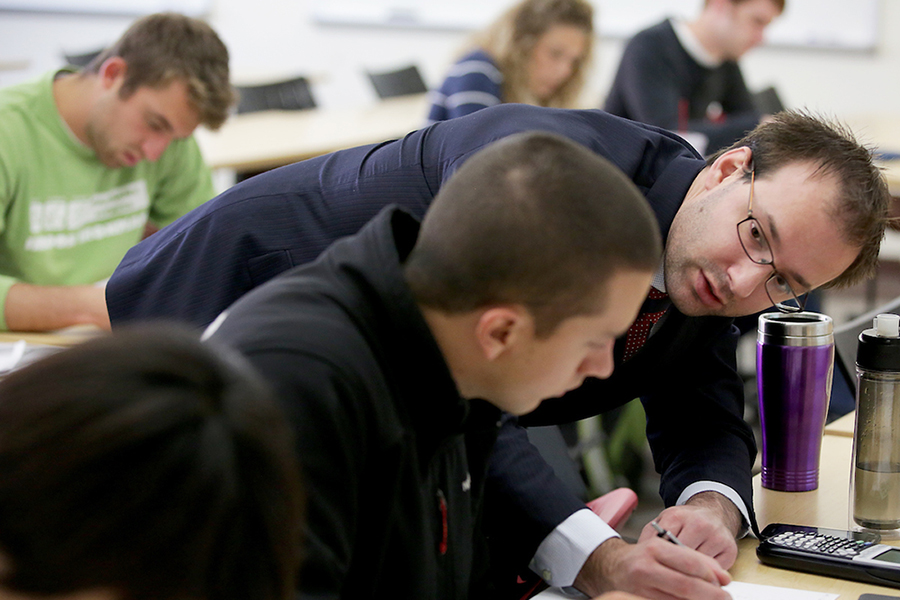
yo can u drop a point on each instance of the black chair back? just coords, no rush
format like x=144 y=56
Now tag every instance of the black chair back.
x=82 y=60
x=292 y=94
x=767 y=101
x=401 y=82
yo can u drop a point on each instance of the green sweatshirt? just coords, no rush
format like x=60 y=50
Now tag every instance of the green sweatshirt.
x=66 y=218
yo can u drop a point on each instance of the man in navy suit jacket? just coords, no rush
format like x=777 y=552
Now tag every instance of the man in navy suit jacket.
x=795 y=205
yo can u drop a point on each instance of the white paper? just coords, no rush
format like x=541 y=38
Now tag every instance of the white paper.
x=738 y=590
x=752 y=591
x=14 y=355
x=11 y=354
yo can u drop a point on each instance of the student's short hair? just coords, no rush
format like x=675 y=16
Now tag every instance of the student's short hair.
x=164 y=47
x=512 y=37
x=863 y=202
x=534 y=219
x=149 y=464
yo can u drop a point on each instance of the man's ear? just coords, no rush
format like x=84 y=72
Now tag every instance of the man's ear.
x=113 y=70
x=500 y=329
x=734 y=161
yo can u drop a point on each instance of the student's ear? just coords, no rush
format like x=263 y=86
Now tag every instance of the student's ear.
x=734 y=161
x=112 y=70
x=502 y=328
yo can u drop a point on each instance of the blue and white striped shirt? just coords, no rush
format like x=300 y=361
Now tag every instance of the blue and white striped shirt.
x=473 y=83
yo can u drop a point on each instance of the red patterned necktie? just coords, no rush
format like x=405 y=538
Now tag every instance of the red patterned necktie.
x=653 y=308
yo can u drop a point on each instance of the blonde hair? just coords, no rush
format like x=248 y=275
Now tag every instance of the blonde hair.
x=512 y=37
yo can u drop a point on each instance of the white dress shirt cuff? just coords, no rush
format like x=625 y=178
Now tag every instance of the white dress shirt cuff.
x=561 y=555
x=714 y=486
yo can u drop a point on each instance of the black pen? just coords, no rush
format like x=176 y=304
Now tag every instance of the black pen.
x=665 y=533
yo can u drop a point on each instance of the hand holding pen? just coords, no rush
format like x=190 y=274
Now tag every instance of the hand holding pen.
x=666 y=534
x=658 y=571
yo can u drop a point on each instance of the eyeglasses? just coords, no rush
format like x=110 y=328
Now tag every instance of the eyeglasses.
x=757 y=248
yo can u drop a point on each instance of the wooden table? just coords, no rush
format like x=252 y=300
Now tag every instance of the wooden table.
x=825 y=507
x=891 y=170
x=843 y=426
x=39 y=345
x=268 y=139
x=64 y=337
x=263 y=140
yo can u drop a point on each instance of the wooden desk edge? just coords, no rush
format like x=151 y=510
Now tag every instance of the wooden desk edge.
x=394 y=118
x=843 y=426
x=64 y=337
x=264 y=164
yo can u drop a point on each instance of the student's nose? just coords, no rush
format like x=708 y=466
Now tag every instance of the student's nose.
x=598 y=363
x=565 y=70
x=759 y=37
x=154 y=146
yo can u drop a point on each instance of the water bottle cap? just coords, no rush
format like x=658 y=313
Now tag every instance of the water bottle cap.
x=886 y=325
x=879 y=347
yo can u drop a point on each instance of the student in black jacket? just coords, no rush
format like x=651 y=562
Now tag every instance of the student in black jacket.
x=395 y=352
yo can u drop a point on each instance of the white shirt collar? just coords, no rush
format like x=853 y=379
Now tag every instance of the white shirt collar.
x=659 y=279
x=692 y=45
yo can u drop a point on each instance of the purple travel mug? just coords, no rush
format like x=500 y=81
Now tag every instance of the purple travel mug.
x=794 y=365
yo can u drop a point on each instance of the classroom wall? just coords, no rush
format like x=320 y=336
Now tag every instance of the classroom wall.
x=276 y=38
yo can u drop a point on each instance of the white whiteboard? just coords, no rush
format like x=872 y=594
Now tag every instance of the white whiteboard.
x=110 y=7
x=835 y=24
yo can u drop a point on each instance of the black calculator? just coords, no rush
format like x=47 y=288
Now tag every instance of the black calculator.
x=830 y=552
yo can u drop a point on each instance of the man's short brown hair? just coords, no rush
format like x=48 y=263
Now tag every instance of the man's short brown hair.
x=863 y=201
x=165 y=47
x=537 y=220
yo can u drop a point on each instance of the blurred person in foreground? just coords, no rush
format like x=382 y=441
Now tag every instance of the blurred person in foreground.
x=145 y=465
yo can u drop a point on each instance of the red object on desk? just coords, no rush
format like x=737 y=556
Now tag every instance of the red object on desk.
x=615 y=507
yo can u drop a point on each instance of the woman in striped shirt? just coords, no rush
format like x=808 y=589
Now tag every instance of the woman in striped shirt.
x=535 y=53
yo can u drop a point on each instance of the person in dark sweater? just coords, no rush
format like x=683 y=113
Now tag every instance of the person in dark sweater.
x=395 y=352
x=684 y=77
